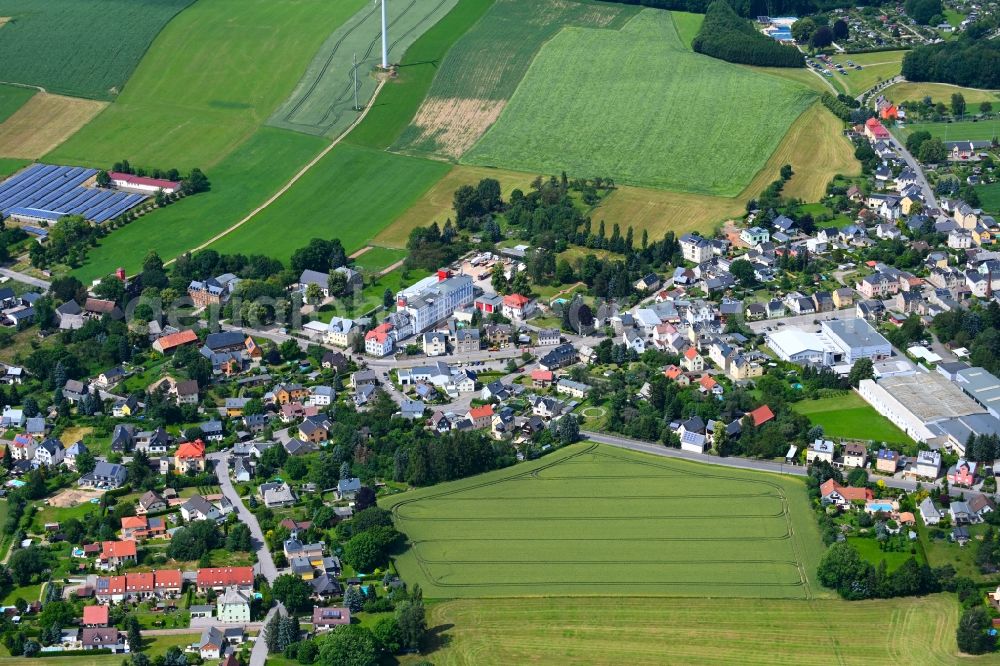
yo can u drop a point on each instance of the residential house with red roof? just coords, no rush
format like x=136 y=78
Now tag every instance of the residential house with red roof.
x=95 y=616
x=481 y=417
x=219 y=578
x=832 y=492
x=115 y=554
x=518 y=306
x=379 y=341
x=875 y=131
x=190 y=457
x=761 y=415
x=171 y=343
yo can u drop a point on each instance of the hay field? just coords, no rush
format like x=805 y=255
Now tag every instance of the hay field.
x=742 y=632
x=205 y=86
x=86 y=48
x=323 y=101
x=436 y=204
x=723 y=121
x=43 y=123
x=483 y=69
x=593 y=520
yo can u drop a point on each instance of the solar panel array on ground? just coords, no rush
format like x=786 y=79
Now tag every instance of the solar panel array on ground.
x=48 y=192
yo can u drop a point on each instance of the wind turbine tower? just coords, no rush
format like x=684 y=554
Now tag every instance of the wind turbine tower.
x=385 y=37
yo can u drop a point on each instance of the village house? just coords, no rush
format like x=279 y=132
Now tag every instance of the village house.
x=832 y=492
x=116 y=554
x=233 y=606
x=190 y=457
x=887 y=461
x=855 y=455
x=820 y=450
x=326 y=618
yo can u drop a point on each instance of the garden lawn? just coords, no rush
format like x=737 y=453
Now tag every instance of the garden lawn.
x=255 y=171
x=378 y=259
x=989 y=197
x=323 y=102
x=207 y=83
x=592 y=104
x=54 y=514
x=868 y=549
x=13 y=98
x=850 y=417
x=29 y=593
x=594 y=520
x=351 y=194
x=86 y=48
x=568 y=630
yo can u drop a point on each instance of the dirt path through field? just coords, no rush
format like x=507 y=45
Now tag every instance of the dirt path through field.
x=287 y=186
x=389 y=269
x=360 y=252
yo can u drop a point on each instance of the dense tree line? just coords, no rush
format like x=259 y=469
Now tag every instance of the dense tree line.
x=924 y=12
x=754 y=8
x=976 y=328
x=727 y=36
x=967 y=61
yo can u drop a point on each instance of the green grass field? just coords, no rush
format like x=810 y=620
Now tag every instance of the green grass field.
x=9 y=165
x=240 y=183
x=939 y=92
x=86 y=48
x=876 y=67
x=687 y=25
x=483 y=69
x=989 y=196
x=599 y=520
x=868 y=548
x=592 y=104
x=379 y=258
x=850 y=417
x=695 y=631
x=207 y=84
x=344 y=196
x=982 y=130
x=323 y=101
x=13 y=98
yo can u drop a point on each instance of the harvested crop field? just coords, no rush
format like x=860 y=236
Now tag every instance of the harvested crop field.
x=86 y=48
x=323 y=101
x=596 y=520
x=483 y=69
x=939 y=92
x=44 y=122
x=567 y=630
x=436 y=204
x=724 y=121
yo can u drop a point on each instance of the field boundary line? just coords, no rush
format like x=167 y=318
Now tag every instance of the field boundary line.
x=294 y=179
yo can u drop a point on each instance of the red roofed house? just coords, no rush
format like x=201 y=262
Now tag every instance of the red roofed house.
x=170 y=343
x=541 y=378
x=116 y=553
x=692 y=361
x=516 y=306
x=481 y=417
x=832 y=492
x=126 y=181
x=707 y=384
x=190 y=456
x=219 y=578
x=168 y=583
x=889 y=112
x=95 y=616
x=761 y=415
x=875 y=131
x=131 y=525
x=379 y=341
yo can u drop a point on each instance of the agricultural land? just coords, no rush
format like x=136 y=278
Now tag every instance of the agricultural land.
x=44 y=122
x=558 y=118
x=594 y=520
x=608 y=630
x=323 y=102
x=62 y=46
x=939 y=92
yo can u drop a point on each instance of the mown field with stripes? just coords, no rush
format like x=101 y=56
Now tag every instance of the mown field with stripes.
x=593 y=520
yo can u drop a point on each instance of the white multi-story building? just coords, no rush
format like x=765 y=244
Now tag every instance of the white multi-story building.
x=340 y=332
x=434 y=299
x=695 y=248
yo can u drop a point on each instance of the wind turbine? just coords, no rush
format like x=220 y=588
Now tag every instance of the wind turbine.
x=385 y=36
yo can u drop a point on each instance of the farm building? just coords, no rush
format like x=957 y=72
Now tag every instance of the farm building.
x=130 y=183
x=46 y=193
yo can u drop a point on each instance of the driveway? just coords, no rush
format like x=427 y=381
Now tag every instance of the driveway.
x=26 y=279
x=265 y=563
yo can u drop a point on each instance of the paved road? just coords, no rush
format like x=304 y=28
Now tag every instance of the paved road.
x=912 y=162
x=27 y=279
x=758 y=465
x=265 y=563
x=258 y=655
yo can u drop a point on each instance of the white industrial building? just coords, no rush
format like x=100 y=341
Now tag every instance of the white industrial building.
x=837 y=342
x=434 y=299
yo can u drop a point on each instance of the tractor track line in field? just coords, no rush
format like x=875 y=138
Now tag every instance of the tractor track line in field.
x=294 y=179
